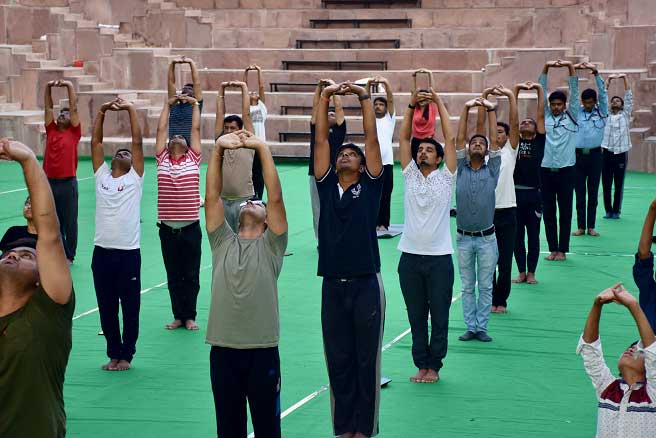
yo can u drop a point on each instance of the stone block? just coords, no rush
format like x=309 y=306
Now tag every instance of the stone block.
x=88 y=45
x=19 y=25
x=519 y=32
x=548 y=27
x=630 y=46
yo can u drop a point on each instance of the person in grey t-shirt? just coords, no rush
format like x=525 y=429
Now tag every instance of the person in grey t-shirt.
x=476 y=241
x=243 y=327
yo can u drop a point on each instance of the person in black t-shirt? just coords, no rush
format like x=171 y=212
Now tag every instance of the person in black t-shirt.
x=336 y=136
x=20 y=231
x=353 y=300
x=527 y=188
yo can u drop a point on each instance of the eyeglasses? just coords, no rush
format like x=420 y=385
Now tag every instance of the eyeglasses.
x=254 y=202
x=347 y=154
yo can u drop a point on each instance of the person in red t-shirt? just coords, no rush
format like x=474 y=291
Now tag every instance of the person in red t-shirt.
x=60 y=162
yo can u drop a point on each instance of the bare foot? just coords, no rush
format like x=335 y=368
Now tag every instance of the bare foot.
x=419 y=376
x=592 y=232
x=174 y=325
x=502 y=309
x=431 y=376
x=346 y=435
x=123 y=365
x=521 y=278
x=530 y=278
x=381 y=228
x=110 y=366
x=190 y=324
x=494 y=309
x=560 y=256
x=551 y=256
x=360 y=435
x=578 y=232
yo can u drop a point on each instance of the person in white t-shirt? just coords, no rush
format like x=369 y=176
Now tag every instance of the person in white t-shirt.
x=259 y=115
x=116 y=262
x=505 y=213
x=426 y=267
x=385 y=121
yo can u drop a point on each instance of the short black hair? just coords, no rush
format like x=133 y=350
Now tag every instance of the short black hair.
x=487 y=143
x=65 y=108
x=558 y=95
x=380 y=99
x=354 y=148
x=27 y=242
x=589 y=93
x=123 y=150
x=618 y=97
x=415 y=142
x=505 y=127
x=234 y=118
x=188 y=85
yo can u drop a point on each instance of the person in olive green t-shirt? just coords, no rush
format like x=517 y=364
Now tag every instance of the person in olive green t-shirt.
x=243 y=326
x=36 y=309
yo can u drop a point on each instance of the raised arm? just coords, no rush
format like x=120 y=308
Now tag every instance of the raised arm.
x=623 y=297
x=513 y=117
x=260 y=84
x=245 y=105
x=447 y=130
x=137 y=140
x=628 y=97
x=195 y=125
x=601 y=88
x=54 y=273
x=315 y=101
x=163 y=125
x=491 y=110
x=195 y=79
x=591 y=329
x=321 y=145
x=339 y=109
x=220 y=110
x=541 y=107
x=171 y=78
x=214 y=213
x=644 y=246
x=276 y=214
x=371 y=145
x=72 y=102
x=97 y=153
x=574 y=106
x=48 y=115
x=405 y=133
x=390 y=96
x=461 y=140
x=480 y=113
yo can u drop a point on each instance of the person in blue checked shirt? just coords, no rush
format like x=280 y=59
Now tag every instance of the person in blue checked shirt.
x=557 y=172
x=592 y=121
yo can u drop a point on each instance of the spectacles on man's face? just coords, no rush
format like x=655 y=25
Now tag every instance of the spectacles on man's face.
x=349 y=154
x=254 y=202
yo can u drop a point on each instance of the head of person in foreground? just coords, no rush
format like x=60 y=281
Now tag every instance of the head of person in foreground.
x=428 y=152
x=350 y=158
x=18 y=267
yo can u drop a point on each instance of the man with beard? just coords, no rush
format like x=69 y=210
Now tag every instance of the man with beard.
x=527 y=188
x=426 y=266
x=60 y=162
x=475 y=199
x=178 y=196
x=116 y=262
x=36 y=310
x=352 y=295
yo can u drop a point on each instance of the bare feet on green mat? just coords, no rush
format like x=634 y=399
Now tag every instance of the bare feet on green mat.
x=190 y=324
x=419 y=376
x=551 y=256
x=530 y=278
x=431 y=377
x=111 y=365
x=122 y=365
x=521 y=278
x=174 y=325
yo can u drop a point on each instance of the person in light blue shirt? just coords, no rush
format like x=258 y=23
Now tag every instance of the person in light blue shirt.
x=557 y=172
x=592 y=121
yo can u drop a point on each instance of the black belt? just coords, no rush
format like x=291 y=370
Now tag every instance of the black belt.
x=587 y=151
x=175 y=230
x=487 y=232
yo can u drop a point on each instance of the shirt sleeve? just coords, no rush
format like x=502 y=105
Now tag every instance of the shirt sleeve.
x=263 y=110
x=603 y=95
x=411 y=169
x=220 y=235
x=628 y=103
x=542 y=80
x=161 y=156
x=574 y=106
x=102 y=171
x=277 y=243
x=595 y=365
x=339 y=132
x=643 y=276
x=494 y=163
x=195 y=156
x=461 y=156
x=650 y=366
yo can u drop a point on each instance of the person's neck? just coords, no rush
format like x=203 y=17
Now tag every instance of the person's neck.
x=631 y=378
x=615 y=111
x=347 y=178
x=60 y=128
x=117 y=173
x=248 y=231
x=476 y=162
x=529 y=137
x=31 y=228
x=427 y=170
x=10 y=301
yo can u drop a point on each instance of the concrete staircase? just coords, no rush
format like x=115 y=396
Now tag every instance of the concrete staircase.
x=126 y=46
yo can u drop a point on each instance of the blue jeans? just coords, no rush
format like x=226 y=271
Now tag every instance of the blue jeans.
x=477 y=260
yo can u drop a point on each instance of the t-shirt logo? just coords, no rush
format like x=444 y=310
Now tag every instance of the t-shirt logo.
x=356 y=191
x=120 y=188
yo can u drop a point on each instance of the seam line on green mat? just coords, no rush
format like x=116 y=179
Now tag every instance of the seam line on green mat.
x=325 y=387
x=25 y=188
x=142 y=292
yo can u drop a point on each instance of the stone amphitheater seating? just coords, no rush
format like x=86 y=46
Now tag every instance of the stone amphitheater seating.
x=126 y=45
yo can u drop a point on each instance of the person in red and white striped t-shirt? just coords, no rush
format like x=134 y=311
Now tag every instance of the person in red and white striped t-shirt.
x=178 y=202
